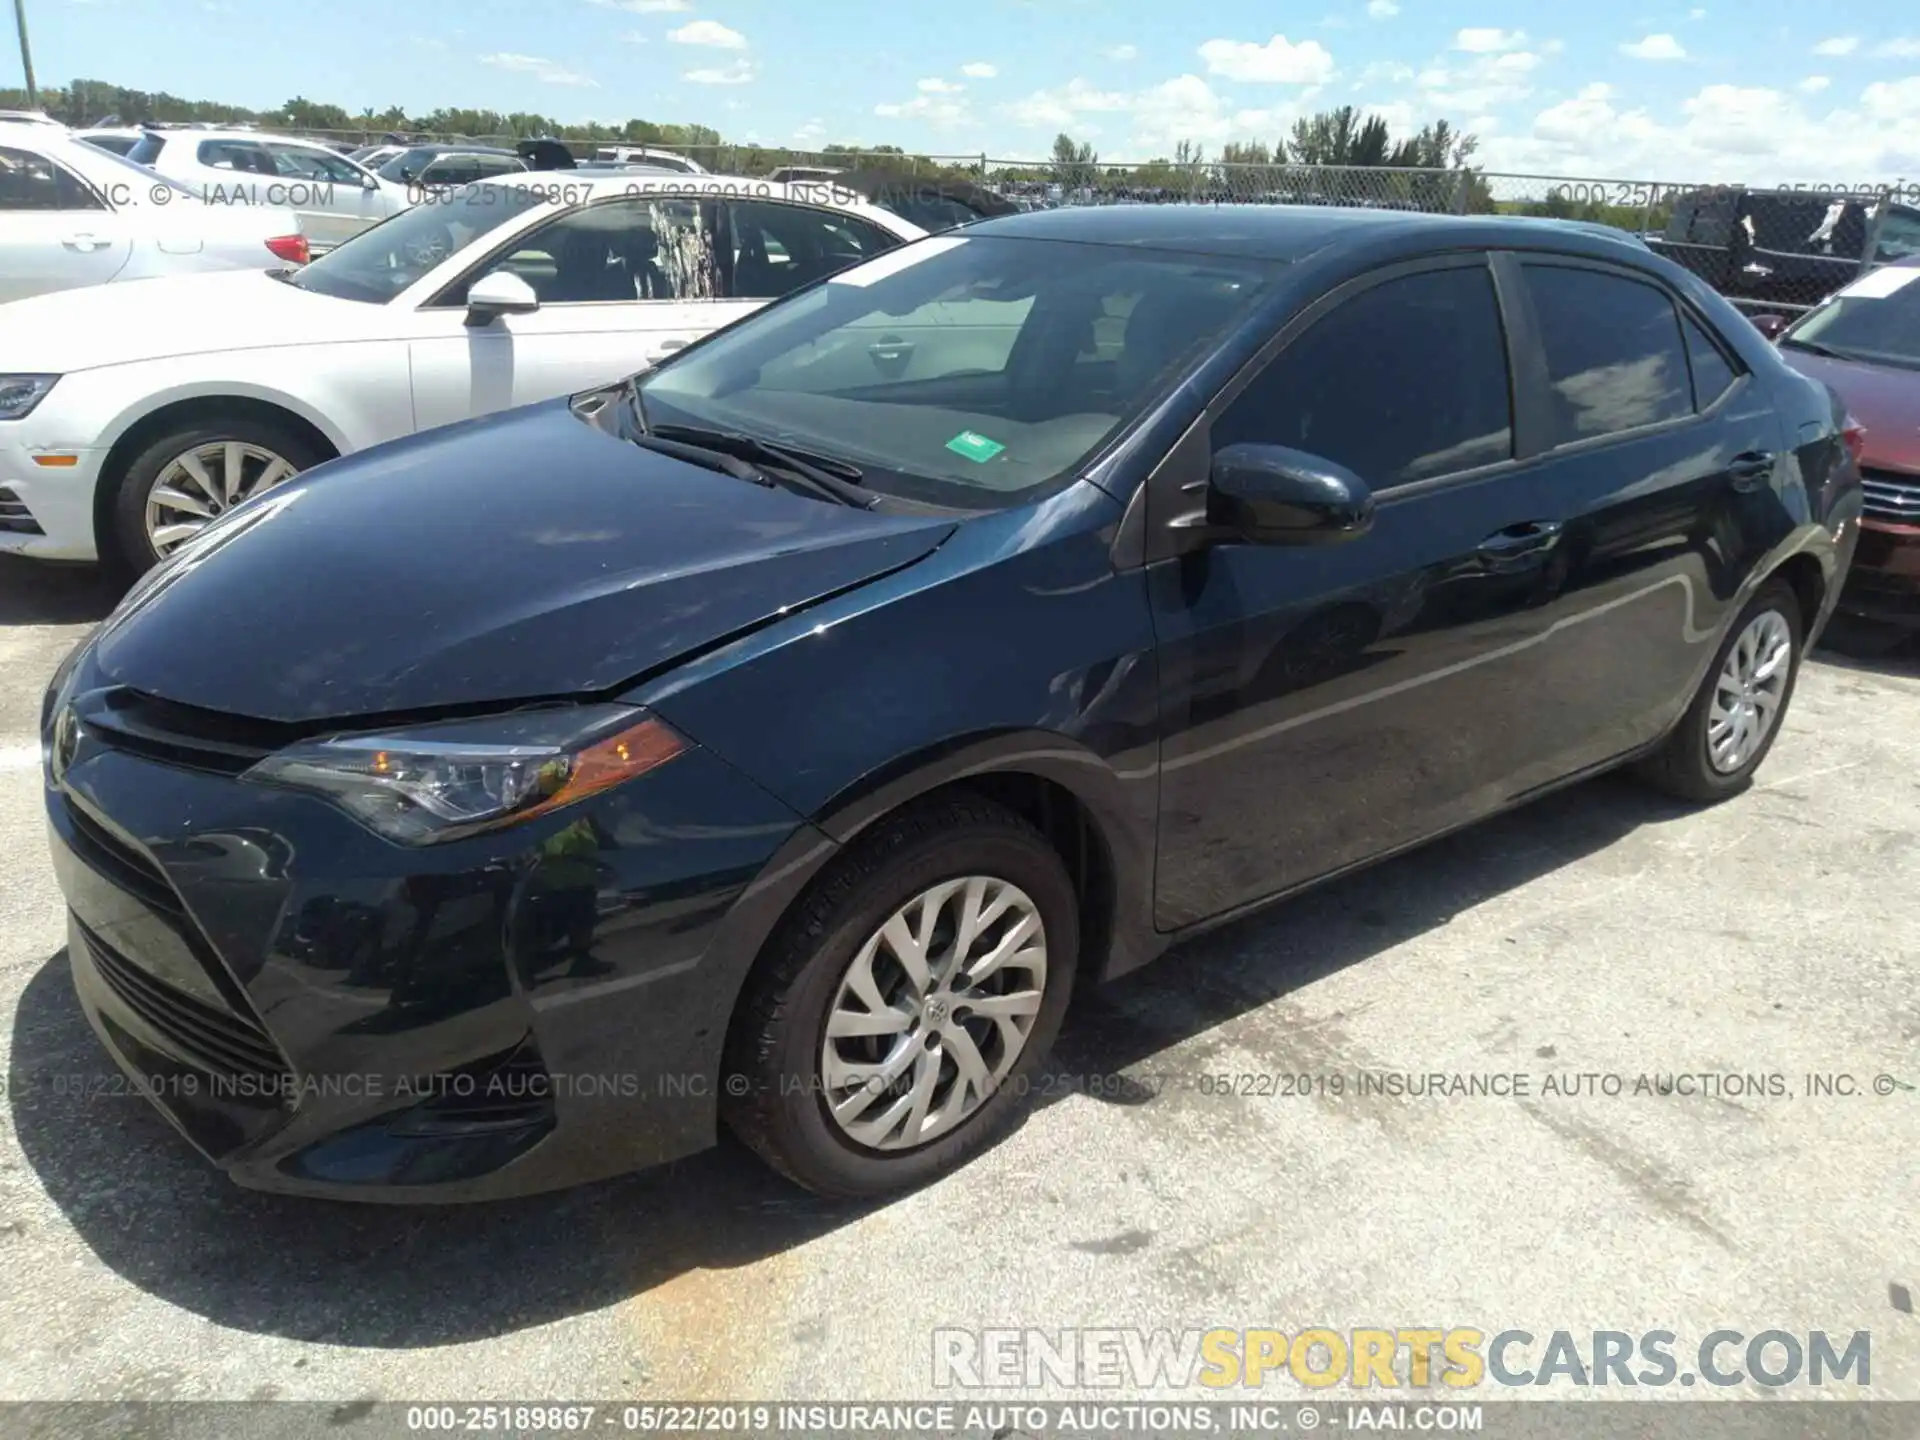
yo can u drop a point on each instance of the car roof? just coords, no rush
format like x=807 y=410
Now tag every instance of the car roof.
x=1278 y=232
x=672 y=184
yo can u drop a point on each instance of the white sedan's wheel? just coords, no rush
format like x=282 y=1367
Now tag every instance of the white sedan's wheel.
x=199 y=485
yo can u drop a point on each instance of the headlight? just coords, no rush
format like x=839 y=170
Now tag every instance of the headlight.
x=20 y=393
x=430 y=783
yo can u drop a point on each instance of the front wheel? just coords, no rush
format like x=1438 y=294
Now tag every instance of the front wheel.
x=1736 y=716
x=895 y=1025
x=189 y=477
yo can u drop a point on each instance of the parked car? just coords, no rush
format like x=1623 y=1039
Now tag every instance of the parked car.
x=73 y=215
x=372 y=157
x=186 y=396
x=29 y=117
x=334 y=198
x=933 y=205
x=1784 y=247
x=1865 y=343
x=760 y=741
x=651 y=157
x=787 y=174
x=448 y=166
x=119 y=141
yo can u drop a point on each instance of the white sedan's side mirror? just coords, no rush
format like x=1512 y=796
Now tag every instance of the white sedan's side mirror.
x=500 y=292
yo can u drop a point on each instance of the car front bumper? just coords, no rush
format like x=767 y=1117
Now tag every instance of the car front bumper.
x=57 y=498
x=1884 y=582
x=321 y=1012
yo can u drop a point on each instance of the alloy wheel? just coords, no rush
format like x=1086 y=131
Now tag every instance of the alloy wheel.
x=933 y=1012
x=1747 y=694
x=195 y=488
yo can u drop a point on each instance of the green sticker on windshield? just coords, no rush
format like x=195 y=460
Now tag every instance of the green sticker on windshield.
x=975 y=446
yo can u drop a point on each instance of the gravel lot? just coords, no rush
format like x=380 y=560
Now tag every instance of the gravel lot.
x=1601 y=931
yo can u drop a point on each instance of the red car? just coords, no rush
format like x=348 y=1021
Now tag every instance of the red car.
x=1864 y=341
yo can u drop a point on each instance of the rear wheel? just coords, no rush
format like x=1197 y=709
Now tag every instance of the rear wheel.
x=189 y=477
x=1735 y=718
x=893 y=1028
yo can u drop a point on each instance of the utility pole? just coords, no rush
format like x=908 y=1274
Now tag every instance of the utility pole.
x=26 y=55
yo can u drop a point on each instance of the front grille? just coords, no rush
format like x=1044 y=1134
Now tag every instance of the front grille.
x=121 y=863
x=15 y=518
x=180 y=734
x=217 y=1041
x=1890 y=495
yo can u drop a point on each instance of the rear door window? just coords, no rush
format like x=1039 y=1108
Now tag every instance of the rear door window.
x=1615 y=357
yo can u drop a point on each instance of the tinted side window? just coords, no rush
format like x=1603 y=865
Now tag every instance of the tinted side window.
x=626 y=250
x=1405 y=381
x=33 y=182
x=1713 y=373
x=147 y=149
x=779 y=248
x=1615 y=360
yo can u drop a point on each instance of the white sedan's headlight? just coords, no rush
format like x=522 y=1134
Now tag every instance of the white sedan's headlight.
x=20 y=393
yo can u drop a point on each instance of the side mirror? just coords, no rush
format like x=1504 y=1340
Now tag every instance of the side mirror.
x=1770 y=325
x=1270 y=495
x=498 y=293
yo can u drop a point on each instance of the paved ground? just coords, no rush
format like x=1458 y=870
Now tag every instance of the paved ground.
x=1601 y=931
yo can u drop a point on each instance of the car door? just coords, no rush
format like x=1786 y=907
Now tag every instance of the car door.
x=621 y=283
x=1662 y=462
x=1325 y=704
x=56 y=233
x=333 y=198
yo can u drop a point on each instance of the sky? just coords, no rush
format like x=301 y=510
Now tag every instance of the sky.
x=1758 y=91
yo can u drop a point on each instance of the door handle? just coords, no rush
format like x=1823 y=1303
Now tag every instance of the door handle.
x=85 y=244
x=667 y=347
x=1751 y=470
x=1520 y=542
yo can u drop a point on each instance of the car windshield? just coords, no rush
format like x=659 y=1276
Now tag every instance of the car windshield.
x=378 y=263
x=963 y=371
x=406 y=165
x=1875 y=319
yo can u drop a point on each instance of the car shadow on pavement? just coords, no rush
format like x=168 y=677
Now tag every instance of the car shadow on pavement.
x=385 y=1277
x=33 y=593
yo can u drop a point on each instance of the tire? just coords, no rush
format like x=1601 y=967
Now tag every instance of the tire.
x=1683 y=766
x=778 y=1080
x=129 y=544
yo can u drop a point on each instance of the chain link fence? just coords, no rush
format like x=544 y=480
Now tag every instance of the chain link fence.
x=1768 y=250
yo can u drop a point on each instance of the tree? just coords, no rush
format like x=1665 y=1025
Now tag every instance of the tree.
x=1075 y=165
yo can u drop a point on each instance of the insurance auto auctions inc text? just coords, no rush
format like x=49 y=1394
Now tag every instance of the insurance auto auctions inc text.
x=1407 y=1357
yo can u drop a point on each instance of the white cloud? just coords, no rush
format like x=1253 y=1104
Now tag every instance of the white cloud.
x=644 y=7
x=734 y=72
x=1486 y=82
x=708 y=32
x=1483 y=40
x=1904 y=48
x=936 y=111
x=1838 y=45
x=1122 y=52
x=937 y=86
x=1697 y=13
x=1553 y=47
x=547 y=72
x=811 y=133
x=979 y=70
x=1655 y=47
x=1385 y=72
x=1045 y=109
x=1277 y=62
x=634 y=37
x=1382 y=9
x=1814 y=84
x=1728 y=134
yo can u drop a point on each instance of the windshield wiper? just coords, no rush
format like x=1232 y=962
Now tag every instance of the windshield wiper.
x=800 y=470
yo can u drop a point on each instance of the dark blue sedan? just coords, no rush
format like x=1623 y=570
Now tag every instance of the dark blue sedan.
x=778 y=736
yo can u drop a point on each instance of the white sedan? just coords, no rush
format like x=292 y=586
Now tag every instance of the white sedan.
x=72 y=214
x=334 y=198
x=127 y=422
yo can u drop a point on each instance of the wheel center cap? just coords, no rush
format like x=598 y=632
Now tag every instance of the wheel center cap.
x=938 y=1009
